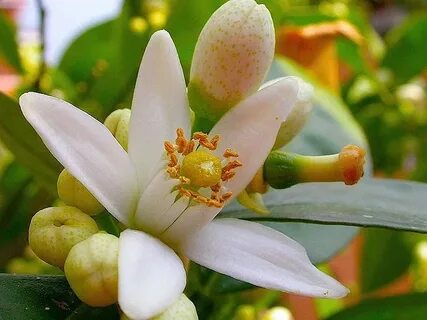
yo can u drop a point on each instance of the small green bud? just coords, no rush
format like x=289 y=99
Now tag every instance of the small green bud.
x=118 y=124
x=246 y=312
x=54 y=231
x=232 y=56
x=183 y=309
x=91 y=269
x=74 y=193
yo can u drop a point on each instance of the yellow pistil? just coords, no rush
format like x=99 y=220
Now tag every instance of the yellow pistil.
x=200 y=168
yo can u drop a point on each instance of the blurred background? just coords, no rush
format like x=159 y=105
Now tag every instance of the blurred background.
x=370 y=55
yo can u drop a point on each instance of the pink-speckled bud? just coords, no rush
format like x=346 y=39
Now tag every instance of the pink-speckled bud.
x=233 y=54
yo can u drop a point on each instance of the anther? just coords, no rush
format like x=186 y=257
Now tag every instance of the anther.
x=229 y=153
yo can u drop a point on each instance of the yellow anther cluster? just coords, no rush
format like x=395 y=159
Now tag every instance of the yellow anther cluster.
x=200 y=168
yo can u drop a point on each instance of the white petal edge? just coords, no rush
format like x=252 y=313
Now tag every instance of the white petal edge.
x=87 y=149
x=261 y=256
x=151 y=275
x=159 y=106
x=251 y=127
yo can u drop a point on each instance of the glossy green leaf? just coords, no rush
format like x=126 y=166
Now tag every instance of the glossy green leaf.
x=26 y=146
x=407 y=52
x=396 y=255
x=8 y=44
x=383 y=203
x=404 y=307
x=45 y=298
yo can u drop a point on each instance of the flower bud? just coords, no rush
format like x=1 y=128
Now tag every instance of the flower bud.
x=54 y=231
x=91 y=269
x=183 y=309
x=232 y=56
x=118 y=124
x=73 y=193
x=296 y=120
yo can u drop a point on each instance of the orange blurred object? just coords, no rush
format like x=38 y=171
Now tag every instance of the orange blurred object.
x=313 y=46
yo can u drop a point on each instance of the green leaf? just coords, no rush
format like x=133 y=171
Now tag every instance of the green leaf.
x=27 y=147
x=383 y=203
x=45 y=298
x=8 y=44
x=378 y=270
x=407 y=52
x=404 y=307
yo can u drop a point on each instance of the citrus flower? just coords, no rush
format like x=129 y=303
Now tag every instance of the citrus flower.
x=170 y=185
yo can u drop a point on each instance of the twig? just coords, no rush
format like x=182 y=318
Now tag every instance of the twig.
x=42 y=34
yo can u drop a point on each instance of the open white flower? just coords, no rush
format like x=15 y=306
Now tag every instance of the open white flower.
x=168 y=212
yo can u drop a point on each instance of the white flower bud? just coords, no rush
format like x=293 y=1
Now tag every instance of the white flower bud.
x=73 y=193
x=183 y=309
x=118 y=124
x=298 y=116
x=91 y=269
x=54 y=231
x=232 y=56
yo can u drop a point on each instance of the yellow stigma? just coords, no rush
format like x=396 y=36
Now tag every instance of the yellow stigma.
x=202 y=168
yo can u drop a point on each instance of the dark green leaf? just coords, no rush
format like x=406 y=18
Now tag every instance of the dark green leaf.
x=28 y=149
x=8 y=44
x=396 y=254
x=372 y=202
x=407 y=52
x=45 y=298
x=405 y=307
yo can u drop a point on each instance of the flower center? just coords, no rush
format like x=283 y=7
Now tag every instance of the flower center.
x=200 y=171
x=202 y=168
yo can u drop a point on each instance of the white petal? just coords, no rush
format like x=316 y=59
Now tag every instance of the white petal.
x=259 y=255
x=156 y=198
x=151 y=275
x=191 y=220
x=87 y=149
x=251 y=128
x=159 y=105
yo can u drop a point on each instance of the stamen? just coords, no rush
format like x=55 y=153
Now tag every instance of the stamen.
x=231 y=165
x=169 y=147
x=227 y=175
x=229 y=153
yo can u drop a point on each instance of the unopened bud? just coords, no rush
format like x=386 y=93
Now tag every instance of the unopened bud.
x=296 y=120
x=283 y=170
x=54 y=231
x=183 y=309
x=91 y=269
x=246 y=312
x=232 y=56
x=73 y=193
x=118 y=124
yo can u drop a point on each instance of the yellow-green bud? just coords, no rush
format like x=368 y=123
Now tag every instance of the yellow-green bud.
x=232 y=56
x=183 y=309
x=54 y=231
x=73 y=193
x=118 y=124
x=91 y=269
x=246 y=312
x=277 y=313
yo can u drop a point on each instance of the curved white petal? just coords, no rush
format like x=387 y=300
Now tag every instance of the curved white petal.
x=151 y=275
x=190 y=221
x=259 y=255
x=87 y=149
x=251 y=127
x=156 y=199
x=159 y=105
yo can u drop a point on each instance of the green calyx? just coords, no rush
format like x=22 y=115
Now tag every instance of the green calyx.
x=207 y=109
